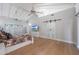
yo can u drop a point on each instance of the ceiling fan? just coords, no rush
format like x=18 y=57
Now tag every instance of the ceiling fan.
x=33 y=11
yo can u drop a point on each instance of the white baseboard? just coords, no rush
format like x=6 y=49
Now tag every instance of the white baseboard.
x=66 y=41
x=59 y=40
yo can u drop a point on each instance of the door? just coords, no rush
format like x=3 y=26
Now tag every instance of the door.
x=51 y=30
x=44 y=30
x=48 y=30
x=59 y=29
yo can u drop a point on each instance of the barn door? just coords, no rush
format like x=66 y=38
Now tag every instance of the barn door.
x=51 y=30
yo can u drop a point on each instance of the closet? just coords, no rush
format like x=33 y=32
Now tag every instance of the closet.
x=58 y=30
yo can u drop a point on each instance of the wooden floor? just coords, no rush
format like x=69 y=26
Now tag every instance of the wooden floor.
x=46 y=47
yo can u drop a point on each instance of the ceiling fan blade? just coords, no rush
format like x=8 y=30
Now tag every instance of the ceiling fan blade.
x=26 y=10
x=39 y=12
x=29 y=14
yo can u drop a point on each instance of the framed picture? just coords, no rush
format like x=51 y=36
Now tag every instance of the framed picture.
x=35 y=27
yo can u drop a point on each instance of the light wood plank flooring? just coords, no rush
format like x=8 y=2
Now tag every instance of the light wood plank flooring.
x=43 y=46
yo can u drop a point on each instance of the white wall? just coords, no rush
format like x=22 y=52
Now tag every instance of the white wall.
x=63 y=28
x=17 y=28
x=77 y=24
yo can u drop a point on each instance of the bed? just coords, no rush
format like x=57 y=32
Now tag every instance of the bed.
x=13 y=43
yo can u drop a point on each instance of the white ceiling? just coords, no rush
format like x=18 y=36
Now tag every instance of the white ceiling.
x=45 y=8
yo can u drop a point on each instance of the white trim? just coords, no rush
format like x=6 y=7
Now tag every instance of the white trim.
x=71 y=42
x=66 y=41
